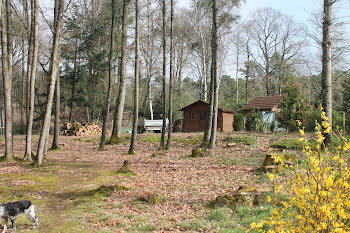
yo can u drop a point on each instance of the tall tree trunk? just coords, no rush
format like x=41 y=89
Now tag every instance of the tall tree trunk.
x=327 y=65
x=33 y=68
x=209 y=128
x=30 y=27
x=7 y=82
x=214 y=77
x=73 y=82
x=247 y=73
x=118 y=114
x=136 y=85
x=54 y=66
x=237 y=66
x=170 y=112
x=24 y=87
x=162 y=139
x=56 y=135
x=110 y=80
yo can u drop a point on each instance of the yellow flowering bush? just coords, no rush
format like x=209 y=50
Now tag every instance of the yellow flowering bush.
x=318 y=190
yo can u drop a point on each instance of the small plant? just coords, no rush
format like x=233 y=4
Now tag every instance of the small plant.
x=238 y=122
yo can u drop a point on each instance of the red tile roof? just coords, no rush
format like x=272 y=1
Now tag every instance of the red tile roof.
x=263 y=103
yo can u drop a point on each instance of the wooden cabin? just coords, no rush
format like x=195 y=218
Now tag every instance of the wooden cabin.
x=196 y=118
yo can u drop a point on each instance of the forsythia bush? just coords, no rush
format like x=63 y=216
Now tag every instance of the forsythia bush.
x=318 y=191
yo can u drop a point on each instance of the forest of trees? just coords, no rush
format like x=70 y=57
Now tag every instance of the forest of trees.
x=106 y=61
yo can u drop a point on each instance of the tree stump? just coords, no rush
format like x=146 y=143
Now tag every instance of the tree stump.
x=150 y=198
x=126 y=169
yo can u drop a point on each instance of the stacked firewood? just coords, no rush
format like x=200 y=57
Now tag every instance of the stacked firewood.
x=80 y=129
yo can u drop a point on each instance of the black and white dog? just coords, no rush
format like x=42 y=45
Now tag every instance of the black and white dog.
x=12 y=209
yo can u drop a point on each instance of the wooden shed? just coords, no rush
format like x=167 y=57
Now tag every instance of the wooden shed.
x=196 y=118
x=263 y=104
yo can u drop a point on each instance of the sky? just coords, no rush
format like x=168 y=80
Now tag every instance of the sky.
x=299 y=10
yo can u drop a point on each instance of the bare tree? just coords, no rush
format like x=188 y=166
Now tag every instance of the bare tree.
x=214 y=78
x=170 y=112
x=136 y=84
x=327 y=64
x=6 y=58
x=110 y=79
x=54 y=66
x=278 y=43
x=32 y=67
x=162 y=139
x=118 y=114
x=56 y=135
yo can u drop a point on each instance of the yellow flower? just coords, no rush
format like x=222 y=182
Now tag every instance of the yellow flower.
x=301 y=139
x=299 y=122
x=301 y=132
x=271 y=176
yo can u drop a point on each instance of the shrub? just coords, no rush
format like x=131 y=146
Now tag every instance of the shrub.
x=238 y=122
x=252 y=117
x=295 y=106
x=318 y=190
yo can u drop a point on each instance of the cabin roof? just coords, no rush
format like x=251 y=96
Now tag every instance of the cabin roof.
x=201 y=101
x=263 y=103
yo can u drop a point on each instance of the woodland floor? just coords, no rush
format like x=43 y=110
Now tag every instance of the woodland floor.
x=65 y=190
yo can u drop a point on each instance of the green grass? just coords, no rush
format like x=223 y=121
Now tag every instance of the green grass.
x=192 y=140
x=89 y=139
x=152 y=139
x=248 y=140
x=293 y=143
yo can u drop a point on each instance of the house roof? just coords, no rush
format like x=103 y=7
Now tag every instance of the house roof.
x=263 y=103
x=201 y=101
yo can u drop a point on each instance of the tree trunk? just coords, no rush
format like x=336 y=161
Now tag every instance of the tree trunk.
x=170 y=112
x=247 y=73
x=118 y=114
x=7 y=83
x=73 y=83
x=54 y=66
x=110 y=80
x=33 y=68
x=327 y=65
x=237 y=66
x=24 y=87
x=214 y=77
x=136 y=85
x=55 y=142
x=162 y=139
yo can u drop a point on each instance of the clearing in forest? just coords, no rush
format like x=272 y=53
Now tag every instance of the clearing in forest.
x=79 y=190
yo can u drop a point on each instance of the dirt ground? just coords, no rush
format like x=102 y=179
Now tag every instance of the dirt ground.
x=68 y=199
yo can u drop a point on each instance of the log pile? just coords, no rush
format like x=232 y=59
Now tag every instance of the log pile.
x=81 y=129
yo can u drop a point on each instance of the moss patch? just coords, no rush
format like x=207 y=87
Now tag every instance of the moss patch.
x=222 y=201
x=199 y=152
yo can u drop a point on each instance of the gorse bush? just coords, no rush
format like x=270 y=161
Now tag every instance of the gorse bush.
x=318 y=190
